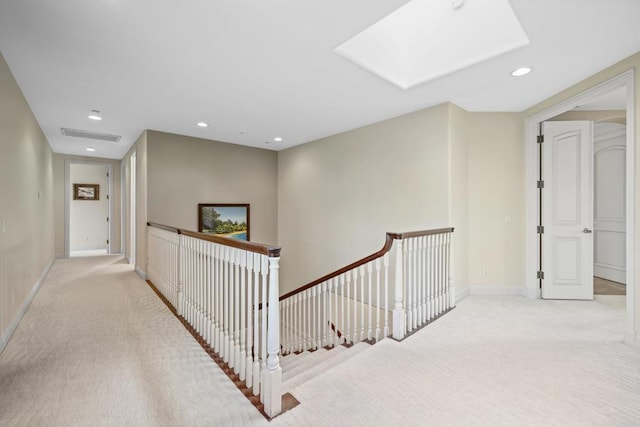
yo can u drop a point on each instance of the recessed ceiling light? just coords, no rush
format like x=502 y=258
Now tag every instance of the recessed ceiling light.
x=202 y=124
x=91 y=149
x=95 y=115
x=277 y=139
x=521 y=71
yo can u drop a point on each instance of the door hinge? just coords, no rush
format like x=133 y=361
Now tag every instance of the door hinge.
x=107 y=219
x=107 y=174
x=540 y=139
x=540 y=184
x=107 y=197
x=540 y=229
x=540 y=275
x=107 y=241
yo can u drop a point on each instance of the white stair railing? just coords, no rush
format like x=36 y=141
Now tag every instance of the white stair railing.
x=219 y=286
x=426 y=261
x=352 y=304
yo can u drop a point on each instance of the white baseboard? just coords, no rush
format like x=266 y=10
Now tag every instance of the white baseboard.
x=141 y=273
x=497 y=290
x=4 y=339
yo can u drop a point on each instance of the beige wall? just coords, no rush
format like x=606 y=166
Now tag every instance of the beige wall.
x=185 y=171
x=338 y=196
x=59 y=199
x=496 y=200
x=633 y=62
x=26 y=204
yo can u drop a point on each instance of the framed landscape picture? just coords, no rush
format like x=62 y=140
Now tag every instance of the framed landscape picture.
x=224 y=219
x=86 y=192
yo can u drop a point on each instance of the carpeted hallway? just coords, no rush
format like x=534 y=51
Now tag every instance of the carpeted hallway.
x=97 y=347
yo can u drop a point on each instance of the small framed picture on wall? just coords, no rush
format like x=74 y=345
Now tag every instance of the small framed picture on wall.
x=86 y=192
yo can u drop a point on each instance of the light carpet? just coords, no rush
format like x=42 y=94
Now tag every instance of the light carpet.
x=97 y=347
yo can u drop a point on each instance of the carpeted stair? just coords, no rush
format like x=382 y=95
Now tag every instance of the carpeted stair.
x=299 y=368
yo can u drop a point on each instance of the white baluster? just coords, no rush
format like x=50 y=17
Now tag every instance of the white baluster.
x=243 y=314
x=304 y=320
x=377 y=299
x=414 y=284
x=431 y=286
x=409 y=285
x=385 y=260
x=314 y=319
x=439 y=270
x=236 y=310
x=347 y=329
x=200 y=271
x=290 y=325
x=299 y=323
x=398 y=306
x=226 y=279
x=257 y=264
x=452 y=288
x=219 y=251
x=362 y=302
x=264 y=270
x=187 y=281
x=418 y=281
x=336 y=312
x=356 y=331
x=325 y=315
x=217 y=298
x=340 y=326
x=320 y=301
x=370 y=300
x=330 y=312
x=249 y=356
x=423 y=279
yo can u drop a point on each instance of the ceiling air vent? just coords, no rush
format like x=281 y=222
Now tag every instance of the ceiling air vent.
x=90 y=135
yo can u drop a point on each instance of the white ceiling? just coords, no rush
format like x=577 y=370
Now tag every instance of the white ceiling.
x=269 y=68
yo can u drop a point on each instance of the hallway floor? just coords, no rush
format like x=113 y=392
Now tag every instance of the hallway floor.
x=97 y=347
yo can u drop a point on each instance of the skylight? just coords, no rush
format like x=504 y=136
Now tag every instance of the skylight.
x=427 y=39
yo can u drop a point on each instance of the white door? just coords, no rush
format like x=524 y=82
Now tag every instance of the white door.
x=567 y=210
x=609 y=224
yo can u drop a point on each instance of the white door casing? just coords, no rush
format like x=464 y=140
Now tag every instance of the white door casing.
x=567 y=214
x=609 y=223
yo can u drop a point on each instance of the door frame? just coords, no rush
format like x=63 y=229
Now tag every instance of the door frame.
x=67 y=201
x=532 y=124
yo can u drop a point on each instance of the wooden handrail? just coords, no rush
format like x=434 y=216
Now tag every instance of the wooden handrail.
x=410 y=234
x=272 y=251
x=386 y=248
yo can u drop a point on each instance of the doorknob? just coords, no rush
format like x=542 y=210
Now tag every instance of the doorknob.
x=587 y=231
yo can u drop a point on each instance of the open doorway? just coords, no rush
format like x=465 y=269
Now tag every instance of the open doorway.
x=534 y=280
x=88 y=208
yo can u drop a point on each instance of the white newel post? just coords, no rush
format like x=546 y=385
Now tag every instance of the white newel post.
x=273 y=376
x=180 y=299
x=398 y=308
x=450 y=267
